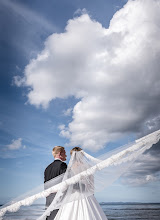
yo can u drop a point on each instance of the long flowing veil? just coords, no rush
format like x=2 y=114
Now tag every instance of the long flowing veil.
x=84 y=176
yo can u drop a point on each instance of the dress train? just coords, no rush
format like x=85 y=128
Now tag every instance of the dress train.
x=86 y=208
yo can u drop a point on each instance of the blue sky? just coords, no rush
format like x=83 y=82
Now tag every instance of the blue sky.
x=78 y=73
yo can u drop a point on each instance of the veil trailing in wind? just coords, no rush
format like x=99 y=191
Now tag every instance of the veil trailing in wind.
x=84 y=176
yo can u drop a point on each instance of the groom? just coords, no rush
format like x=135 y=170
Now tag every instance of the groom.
x=56 y=168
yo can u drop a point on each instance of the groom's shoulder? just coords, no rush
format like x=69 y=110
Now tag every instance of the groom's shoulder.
x=50 y=165
x=56 y=163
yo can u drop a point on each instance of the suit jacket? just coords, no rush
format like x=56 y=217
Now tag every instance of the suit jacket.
x=56 y=168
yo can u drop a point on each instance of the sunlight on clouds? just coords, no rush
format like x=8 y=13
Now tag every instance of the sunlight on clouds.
x=114 y=71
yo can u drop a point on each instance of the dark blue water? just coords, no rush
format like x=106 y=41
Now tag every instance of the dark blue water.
x=132 y=211
x=112 y=211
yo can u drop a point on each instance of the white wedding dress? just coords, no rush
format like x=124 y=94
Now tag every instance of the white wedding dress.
x=80 y=203
x=82 y=209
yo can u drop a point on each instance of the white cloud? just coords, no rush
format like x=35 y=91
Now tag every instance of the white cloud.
x=68 y=112
x=153 y=123
x=150 y=178
x=15 y=145
x=114 y=72
x=139 y=181
x=61 y=127
x=18 y=81
x=79 y=12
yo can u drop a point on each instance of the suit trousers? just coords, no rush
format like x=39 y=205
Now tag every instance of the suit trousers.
x=49 y=200
x=52 y=215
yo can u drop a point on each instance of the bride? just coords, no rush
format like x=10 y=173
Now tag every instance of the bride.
x=81 y=201
x=84 y=176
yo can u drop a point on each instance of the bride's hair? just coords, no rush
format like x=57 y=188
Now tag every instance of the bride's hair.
x=57 y=149
x=75 y=149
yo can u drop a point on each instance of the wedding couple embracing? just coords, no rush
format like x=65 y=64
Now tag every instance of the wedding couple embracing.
x=76 y=201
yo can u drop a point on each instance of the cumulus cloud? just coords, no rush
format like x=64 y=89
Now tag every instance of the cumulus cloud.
x=15 y=145
x=113 y=73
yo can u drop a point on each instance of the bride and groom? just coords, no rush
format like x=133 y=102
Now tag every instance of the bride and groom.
x=76 y=201
x=69 y=190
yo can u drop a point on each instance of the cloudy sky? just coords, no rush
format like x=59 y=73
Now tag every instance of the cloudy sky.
x=78 y=73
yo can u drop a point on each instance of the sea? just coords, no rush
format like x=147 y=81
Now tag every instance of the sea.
x=113 y=211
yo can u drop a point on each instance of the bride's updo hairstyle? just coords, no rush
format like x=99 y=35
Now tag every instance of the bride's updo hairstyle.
x=75 y=149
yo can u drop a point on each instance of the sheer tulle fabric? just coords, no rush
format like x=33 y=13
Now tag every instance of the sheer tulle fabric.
x=85 y=175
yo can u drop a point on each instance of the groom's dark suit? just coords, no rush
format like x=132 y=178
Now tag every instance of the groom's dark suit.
x=54 y=169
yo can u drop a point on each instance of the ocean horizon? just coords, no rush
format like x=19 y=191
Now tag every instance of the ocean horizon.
x=113 y=211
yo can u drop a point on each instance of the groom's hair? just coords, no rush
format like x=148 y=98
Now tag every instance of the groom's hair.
x=57 y=149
